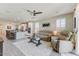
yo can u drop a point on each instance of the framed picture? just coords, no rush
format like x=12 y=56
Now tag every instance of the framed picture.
x=8 y=27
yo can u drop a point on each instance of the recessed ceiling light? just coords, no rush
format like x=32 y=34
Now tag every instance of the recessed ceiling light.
x=7 y=11
x=57 y=12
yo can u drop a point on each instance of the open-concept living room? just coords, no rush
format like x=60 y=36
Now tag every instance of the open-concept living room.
x=39 y=29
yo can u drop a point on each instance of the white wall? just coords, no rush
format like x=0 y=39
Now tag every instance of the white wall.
x=52 y=21
x=77 y=28
x=5 y=24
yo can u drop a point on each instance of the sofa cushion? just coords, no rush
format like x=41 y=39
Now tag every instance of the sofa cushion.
x=62 y=37
x=46 y=32
x=64 y=33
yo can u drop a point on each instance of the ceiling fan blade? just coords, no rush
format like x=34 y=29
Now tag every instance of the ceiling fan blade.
x=34 y=12
x=38 y=12
x=29 y=11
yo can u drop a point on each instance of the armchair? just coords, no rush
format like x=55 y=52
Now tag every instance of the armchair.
x=65 y=46
x=62 y=45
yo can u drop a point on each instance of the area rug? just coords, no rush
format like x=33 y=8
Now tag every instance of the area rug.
x=30 y=49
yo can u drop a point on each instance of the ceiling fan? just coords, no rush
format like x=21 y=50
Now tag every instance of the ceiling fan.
x=34 y=13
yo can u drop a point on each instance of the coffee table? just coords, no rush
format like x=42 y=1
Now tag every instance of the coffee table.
x=35 y=40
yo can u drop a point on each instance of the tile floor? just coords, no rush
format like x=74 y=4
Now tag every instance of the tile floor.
x=10 y=50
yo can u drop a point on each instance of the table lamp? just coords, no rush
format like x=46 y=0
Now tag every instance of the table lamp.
x=55 y=32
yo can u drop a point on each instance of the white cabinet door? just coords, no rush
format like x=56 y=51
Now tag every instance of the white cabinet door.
x=20 y=35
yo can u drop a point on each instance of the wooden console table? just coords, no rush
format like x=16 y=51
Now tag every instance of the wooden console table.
x=10 y=34
x=1 y=46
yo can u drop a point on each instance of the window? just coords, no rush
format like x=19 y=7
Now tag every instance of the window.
x=61 y=22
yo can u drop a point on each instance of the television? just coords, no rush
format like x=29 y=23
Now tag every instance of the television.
x=46 y=24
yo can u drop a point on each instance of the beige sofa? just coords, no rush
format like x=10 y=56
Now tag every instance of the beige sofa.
x=45 y=35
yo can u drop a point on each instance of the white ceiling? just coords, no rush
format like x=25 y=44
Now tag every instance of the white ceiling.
x=16 y=12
